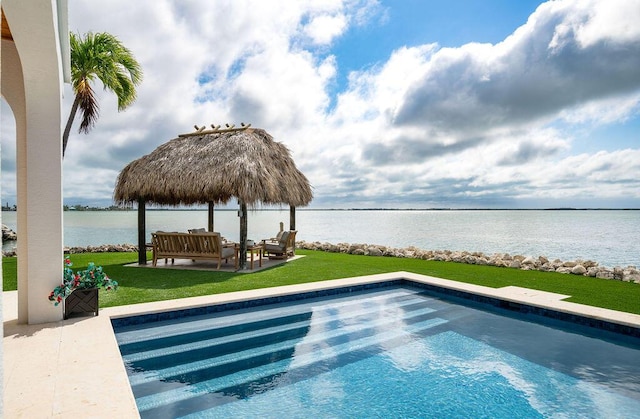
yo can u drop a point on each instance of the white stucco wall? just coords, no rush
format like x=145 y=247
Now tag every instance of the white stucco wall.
x=34 y=26
x=13 y=92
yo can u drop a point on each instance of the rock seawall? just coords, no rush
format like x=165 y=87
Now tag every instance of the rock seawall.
x=541 y=263
x=105 y=248
x=505 y=260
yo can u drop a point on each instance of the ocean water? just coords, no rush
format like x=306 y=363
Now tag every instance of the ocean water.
x=610 y=237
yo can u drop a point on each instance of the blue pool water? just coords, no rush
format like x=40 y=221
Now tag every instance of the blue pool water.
x=388 y=352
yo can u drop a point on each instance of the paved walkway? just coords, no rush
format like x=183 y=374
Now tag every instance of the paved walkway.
x=67 y=369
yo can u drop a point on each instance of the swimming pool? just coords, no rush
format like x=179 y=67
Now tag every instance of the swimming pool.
x=394 y=350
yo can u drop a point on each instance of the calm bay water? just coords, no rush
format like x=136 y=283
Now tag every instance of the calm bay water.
x=610 y=237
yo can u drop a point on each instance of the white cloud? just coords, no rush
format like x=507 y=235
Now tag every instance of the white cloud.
x=323 y=29
x=603 y=111
x=263 y=91
x=542 y=69
x=476 y=125
x=593 y=22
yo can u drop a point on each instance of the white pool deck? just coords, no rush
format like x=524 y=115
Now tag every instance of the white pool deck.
x=73 y=369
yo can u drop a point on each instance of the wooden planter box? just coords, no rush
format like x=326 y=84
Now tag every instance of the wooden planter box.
x=81 y=301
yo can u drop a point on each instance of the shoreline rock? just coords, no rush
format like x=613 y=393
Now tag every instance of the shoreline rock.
x=587 y=268
x=8 y=234
x=541 y=263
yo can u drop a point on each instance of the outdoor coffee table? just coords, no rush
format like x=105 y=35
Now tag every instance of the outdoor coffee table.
x=256 y=249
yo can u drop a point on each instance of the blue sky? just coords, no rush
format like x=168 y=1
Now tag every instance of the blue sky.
x=399 y=104
x=449 y=23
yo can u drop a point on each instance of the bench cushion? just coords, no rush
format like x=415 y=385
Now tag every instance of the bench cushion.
x=228 y=252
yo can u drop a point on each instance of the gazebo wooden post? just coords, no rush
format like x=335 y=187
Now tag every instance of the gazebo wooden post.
x=292 y=221
x=243 y=236
x=142 y=233
x=210 y=217
x=292 y=217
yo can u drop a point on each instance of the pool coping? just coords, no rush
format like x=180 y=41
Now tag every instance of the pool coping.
x=42 y=377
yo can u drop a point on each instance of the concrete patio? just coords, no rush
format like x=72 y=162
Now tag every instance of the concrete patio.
x=73 y=368
x=254 y=265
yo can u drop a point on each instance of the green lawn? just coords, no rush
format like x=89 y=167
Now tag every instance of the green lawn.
x=139 y=285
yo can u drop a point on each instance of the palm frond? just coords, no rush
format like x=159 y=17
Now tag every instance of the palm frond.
x=102 y=56
x=89 y=108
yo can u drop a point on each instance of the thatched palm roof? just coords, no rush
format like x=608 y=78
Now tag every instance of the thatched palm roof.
x=216 y=167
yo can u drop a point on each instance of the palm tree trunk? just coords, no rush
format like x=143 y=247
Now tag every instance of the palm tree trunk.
x=67 y=128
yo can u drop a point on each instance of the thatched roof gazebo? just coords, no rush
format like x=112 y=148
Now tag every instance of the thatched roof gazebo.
x=212 y=167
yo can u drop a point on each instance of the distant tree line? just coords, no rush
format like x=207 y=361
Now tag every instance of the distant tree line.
x=88 y=208
x=7 y=207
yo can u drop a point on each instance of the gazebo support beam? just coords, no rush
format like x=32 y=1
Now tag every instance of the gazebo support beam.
x=242 y=257
x=292 y=220
x=292 y=217
x=210 y=217
x=142 y=233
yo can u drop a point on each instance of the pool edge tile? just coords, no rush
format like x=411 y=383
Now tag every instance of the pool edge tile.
x=517 y=295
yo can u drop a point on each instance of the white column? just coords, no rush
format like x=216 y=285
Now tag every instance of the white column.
x=39 y=158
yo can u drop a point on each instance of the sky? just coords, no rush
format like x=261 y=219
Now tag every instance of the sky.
x=383 y=104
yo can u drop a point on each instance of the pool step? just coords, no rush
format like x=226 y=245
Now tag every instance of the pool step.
x=239 y=333
x=284 y=366
x=243 y=355
x=132 y=338
x=161 y=358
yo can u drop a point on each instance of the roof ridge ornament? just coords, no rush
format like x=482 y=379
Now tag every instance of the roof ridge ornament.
x=216 y=129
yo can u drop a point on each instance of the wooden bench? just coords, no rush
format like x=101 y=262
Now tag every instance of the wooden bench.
x=194 y=246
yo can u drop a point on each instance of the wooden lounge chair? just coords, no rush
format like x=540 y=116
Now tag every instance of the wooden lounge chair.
x=282 y=248
x=194 y=246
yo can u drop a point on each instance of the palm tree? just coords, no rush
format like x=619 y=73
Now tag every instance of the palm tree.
x=104 y=57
